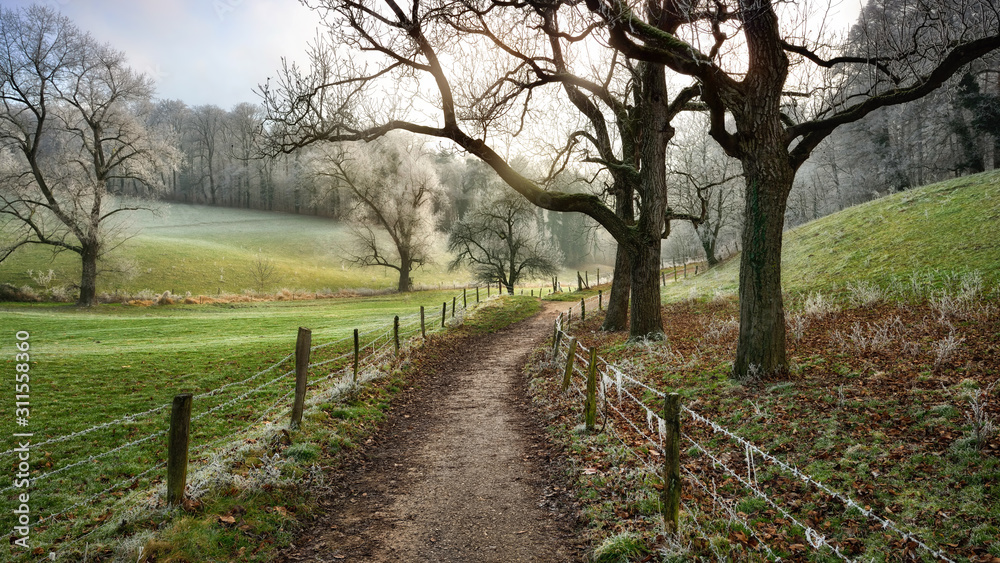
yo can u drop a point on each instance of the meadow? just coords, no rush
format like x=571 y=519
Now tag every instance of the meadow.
x=206 y=250
x=102 y=379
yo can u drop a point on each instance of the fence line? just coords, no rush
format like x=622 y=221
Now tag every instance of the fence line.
x=814 y=538
x=377 y=346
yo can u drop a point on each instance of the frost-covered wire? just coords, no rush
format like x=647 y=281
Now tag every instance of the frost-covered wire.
x=91 y=459
x=815 y=539
x=218 y=390
x=729 y=510
x=805 y=478
x=127 y=419
x=240 y=398
x=95 y=496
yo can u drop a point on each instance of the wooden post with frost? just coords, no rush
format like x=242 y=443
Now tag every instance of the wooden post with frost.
x=303 y=343
x=570 y=356
x=357 y=352
x=670 y=496
x=590 y=404
x=177 y=448
x=423 y=327
x=395 y=333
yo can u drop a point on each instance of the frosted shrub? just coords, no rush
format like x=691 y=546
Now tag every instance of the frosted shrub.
x=874 y=337
x=797 y=324
x=818 y=306
x=980 y=421
x=945 y=348
x=717 y=329
x=43 y=279
x=864 y=293
x=146 y=295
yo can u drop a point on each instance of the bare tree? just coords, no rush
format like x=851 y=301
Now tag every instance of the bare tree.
x=393 y=184
x=262 y=271
x=497 y=80
x=500 y=241
x=705 y=187
x=72 y=120
x=207 y=128
x=779 y=113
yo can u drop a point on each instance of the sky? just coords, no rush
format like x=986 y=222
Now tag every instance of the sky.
x=219 y=51
x=198 y=51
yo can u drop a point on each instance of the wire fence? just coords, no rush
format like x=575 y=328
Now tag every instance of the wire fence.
x=726 y=469
x=114 y=470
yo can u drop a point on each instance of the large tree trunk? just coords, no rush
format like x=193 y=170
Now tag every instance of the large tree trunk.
x=761 y=347
x=405 y=283
x=88 y=276
x=616 y=317
x=646 y=320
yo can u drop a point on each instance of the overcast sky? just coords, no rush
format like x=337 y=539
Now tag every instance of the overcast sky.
x=198 y=51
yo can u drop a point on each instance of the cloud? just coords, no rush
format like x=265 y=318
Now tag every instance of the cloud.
x=198 y=51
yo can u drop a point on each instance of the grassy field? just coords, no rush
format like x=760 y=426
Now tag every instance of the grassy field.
x=892 y=399
x=107 y=363
x=951 y=226
x=207 y=250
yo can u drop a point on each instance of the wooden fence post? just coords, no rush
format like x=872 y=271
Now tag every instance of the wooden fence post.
x=570 y=356
x=670 y=496
x=395 y=333
x=477 y=294
x=423 y=327
x=598 y=276
x=590 y=404
x=302 y=344
x=357 y=352
x=465 y=300
x=583 y=309
x=453 y=300
x=600 y=300
x=586 y=278
x=177 y=448
x=444 y=312
x=488 y=287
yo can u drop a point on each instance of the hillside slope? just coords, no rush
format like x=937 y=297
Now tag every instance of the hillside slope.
x=951 y=226
x=206 y=250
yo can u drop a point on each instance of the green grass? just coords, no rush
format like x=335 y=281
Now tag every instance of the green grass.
x=949 y=226
x=206 y=250
x=91 y=366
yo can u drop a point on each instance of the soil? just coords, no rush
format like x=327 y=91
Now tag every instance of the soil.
x=461 y=471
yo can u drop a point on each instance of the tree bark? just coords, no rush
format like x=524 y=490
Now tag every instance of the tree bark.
x=761 y=347
x=88 y=275
x=616 y=317
x=646 y=319
x=405 y=283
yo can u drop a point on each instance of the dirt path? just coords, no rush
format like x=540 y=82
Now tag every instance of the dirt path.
x=459 y=473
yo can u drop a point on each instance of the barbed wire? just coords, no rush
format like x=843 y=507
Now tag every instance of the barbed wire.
x=127 y=419
x=815 y=539
x=381 y=345
x=812 y=536
x=90 y=459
